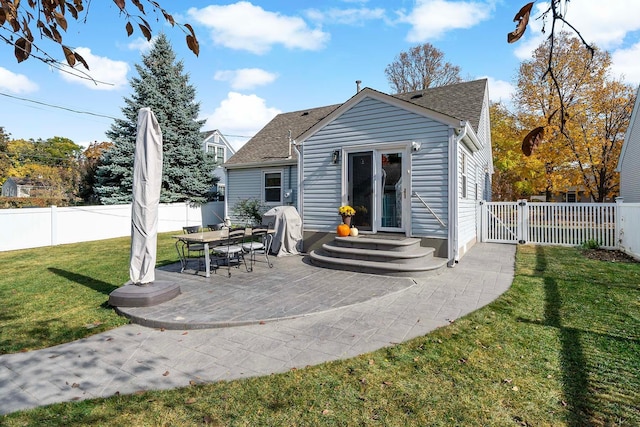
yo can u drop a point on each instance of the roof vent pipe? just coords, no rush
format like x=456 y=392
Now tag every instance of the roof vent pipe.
x=358 y=85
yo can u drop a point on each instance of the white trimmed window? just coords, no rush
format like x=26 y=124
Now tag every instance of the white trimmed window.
x=219 y=155
x=272 y=184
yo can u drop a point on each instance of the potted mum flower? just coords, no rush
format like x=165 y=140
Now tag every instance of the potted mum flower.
x=346 y=212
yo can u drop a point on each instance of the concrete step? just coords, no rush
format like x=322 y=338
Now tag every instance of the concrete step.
x=383 y=242
x=427 y=265
x=414 y=256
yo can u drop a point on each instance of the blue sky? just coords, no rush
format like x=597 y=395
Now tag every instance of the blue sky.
x=260 y=58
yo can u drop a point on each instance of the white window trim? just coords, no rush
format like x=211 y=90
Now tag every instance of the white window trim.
x=464 y=176
x=263 y=186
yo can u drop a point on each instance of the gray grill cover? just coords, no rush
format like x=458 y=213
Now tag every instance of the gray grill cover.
x=287 y=224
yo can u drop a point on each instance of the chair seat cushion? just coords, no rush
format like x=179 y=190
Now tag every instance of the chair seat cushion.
x=227 y=249
x=252 y=246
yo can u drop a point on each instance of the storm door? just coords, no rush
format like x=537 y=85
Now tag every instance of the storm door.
x=377 y=189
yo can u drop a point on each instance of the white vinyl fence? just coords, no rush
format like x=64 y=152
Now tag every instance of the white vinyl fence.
x=37 y=227
x=629 y=228
x=565 y=224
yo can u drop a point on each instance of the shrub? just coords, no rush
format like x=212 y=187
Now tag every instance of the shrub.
x=250 y=210
x=590 y=244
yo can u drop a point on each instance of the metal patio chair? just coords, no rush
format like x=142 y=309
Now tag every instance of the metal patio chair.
x=258 y=239
x=188 y=250
x=231 y=250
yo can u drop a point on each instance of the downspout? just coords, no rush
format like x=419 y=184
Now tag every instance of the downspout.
x=453 y=194
x=300 y=177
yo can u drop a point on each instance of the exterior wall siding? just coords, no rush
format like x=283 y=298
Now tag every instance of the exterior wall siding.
x=248 y=184
x=630 y=167
x=368 y=123
x=467 y=205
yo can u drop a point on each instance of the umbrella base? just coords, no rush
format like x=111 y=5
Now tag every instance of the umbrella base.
x=153 y=293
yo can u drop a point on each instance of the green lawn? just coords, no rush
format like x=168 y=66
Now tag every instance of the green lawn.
x=57 y=294
x=560 y=348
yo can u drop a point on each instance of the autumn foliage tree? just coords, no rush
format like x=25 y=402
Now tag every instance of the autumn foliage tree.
x=52 y=162
x=23 y=24
x=421 y=67
x=584 y=113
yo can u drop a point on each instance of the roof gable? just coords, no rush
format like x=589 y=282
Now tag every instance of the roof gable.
x=449 y=104
x=209 y=134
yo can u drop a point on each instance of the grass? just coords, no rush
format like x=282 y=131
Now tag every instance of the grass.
x=57 y=294
x=560 y=348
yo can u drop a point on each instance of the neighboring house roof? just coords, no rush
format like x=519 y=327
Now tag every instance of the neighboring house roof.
x=460 y=101
x=209 y=134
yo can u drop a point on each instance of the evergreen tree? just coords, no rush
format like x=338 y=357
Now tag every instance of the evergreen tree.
x=187 y=169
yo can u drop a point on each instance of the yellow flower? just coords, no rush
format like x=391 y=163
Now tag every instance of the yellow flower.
x=346 y=211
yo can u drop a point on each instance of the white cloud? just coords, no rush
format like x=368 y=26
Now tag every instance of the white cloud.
x=245 y=78
x=106 y=73
x=430 y=19
x=244 y=26
x=346 y=16
x=240 y=114
x=141 y=44
x=500 y=90
x=625 y=63
x=16 y=83
x=606 y=27
x=604 y=23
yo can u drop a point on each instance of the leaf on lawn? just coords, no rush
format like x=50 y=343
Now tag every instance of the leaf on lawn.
x=327 y=412
x=372 y=362
x=190 y=401
x=507 y=380
x=515 y=388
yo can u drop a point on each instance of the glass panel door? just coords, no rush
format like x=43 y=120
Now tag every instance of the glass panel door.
x=391 y=190
x=360 y=178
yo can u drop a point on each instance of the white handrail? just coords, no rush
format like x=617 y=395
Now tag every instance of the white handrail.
x=430 y=210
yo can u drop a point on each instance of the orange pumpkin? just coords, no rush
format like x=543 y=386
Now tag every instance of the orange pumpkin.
x=343 y=230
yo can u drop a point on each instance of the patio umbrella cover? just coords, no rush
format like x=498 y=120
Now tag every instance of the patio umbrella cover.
x=147 y=180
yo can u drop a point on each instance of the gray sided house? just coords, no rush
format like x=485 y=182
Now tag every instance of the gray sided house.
x=629 y=161
x=415 y=164
x=24 y=187
x=214 y=142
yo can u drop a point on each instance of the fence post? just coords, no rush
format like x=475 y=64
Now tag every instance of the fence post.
x=618 y=227
x=54 y=225
x=481 y=221
x=523 y=221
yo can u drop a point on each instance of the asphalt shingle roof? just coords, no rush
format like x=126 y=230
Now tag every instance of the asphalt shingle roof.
x=461 y=100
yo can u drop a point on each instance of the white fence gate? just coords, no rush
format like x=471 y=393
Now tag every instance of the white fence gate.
x=567 y=224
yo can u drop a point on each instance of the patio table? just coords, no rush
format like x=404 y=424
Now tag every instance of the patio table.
x=208 y=239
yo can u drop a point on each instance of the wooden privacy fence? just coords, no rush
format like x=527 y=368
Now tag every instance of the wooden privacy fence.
x=566 y=224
